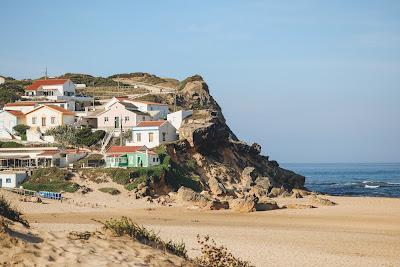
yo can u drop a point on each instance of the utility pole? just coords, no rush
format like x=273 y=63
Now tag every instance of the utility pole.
x=175 y=101
x=45 y=75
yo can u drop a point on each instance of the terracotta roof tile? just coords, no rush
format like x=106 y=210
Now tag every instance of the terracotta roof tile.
x=146 y=102
x=21 y=104
x=150 y=123
x=37 y=84
x=123 y=149
x=16 y=113
x=54 y=107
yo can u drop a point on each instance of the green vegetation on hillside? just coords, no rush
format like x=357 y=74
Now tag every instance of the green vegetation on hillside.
x=140 y=77
x=10 y=144
x=89 y=80
x=51 y=179
x=110 y=190
x=193 y=78
x=67 y=135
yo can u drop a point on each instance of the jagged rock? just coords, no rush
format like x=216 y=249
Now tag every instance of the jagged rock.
x=219 y=205
x=216 y=187
x=276 y=192
x=255 y=148
x=264 y=182
x=141 y=191
x=188 y=196
x=264 y=204
x=296 y=195
x=321 y=201
x=246 y=204
x=249 y=175
x=301 y=192
x=258 y=191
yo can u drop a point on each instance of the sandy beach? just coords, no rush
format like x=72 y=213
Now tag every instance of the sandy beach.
x=359 y=231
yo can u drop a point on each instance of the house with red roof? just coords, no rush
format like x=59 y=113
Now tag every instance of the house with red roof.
x=57 y=90
x=130 y=156
x=153 y=133
x=48 y=116
x=8 y=120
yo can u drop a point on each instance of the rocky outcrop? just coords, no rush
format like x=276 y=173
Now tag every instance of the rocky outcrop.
x=225 y=165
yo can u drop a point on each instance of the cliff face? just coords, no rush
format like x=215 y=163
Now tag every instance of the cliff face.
x=224 y=164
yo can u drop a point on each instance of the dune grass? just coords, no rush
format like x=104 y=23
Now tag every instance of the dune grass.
x=11 y=213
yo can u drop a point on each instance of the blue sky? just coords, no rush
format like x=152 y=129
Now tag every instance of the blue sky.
x=311 y=81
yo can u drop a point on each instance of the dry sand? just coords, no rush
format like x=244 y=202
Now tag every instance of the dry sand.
x=356 y=232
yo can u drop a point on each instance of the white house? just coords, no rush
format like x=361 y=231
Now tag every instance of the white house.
x=2 y=80
x=55 y=90
x=49 y=116
x=151 y=107
x=176 y=118
x=152 y=134
x=120 y=115
x=9 y=119
x=11 y=179
x=23 y=106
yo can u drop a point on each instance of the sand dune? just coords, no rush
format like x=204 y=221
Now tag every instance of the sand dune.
x=356 y=232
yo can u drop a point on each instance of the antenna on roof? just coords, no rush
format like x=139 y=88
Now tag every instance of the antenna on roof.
x=45 y=74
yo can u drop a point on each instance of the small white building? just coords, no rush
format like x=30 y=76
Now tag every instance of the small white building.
x=23 y=106
x=57 y=90
x=152 y=134
x=159 y=110
x=9 y=119
x=176 y=118
x=2 y=80
x=11 y=179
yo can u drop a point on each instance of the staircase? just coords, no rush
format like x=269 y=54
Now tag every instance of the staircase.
x=106 y=140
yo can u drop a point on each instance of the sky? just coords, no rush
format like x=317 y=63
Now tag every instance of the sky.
x=311 y=81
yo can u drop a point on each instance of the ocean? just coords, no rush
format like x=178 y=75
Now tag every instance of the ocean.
x=350 y=179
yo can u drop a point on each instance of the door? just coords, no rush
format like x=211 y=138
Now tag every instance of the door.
x=116 y=122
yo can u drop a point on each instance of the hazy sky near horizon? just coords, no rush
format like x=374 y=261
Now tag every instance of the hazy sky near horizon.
x=311 y=81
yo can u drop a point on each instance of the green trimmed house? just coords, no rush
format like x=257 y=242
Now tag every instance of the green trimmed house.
x=131 y=156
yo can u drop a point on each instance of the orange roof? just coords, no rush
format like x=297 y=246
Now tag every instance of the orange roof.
x=146 y=102
x=16 y=113
x=37 y=84
x=150 y=123
x=57 y=108
x=21 y=104
x=123 y=149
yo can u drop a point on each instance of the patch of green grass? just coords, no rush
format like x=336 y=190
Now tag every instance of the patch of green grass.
x=10 y=144
x=110 y=190
x=51 y=179
x=126 y=226
x=10 y=213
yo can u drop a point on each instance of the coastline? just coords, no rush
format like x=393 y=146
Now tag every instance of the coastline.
x=359 y=231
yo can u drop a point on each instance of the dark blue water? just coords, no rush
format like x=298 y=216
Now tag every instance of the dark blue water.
x=350 y=179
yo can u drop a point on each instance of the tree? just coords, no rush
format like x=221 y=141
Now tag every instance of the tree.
x=21 y=130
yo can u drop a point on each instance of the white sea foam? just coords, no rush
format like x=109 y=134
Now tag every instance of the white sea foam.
x=371 y=186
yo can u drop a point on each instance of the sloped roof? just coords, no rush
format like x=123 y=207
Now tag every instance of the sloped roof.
x=129 y=106
x=124 y=149
x=16 y=113
x=49 y=153
x=145 y=102
x=150 y=123
x=37 y=84
x=54 y=107
x=21 y=104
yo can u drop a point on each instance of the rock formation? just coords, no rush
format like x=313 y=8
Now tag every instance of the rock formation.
x=226 y=166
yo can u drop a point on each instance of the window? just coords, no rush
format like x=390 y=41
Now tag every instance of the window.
x=143 y=118
x=44 y=121
x=126 y=118
x=105 y=119
x=151 y=137
x=33 y=120
x=53 y=120
x=164 y=136
x=154 y=159
x=8 y=180
x=138 y=137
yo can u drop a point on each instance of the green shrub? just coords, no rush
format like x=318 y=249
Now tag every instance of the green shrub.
x=10 y=213
x=50 y=179
x=110 y=190
x=21 y=129
x=68 y=135
x=10 y=144
x=126 y=226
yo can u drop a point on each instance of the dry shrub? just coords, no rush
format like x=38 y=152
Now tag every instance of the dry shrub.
x=10 y=213
x=126 y=226
x=216 y=256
